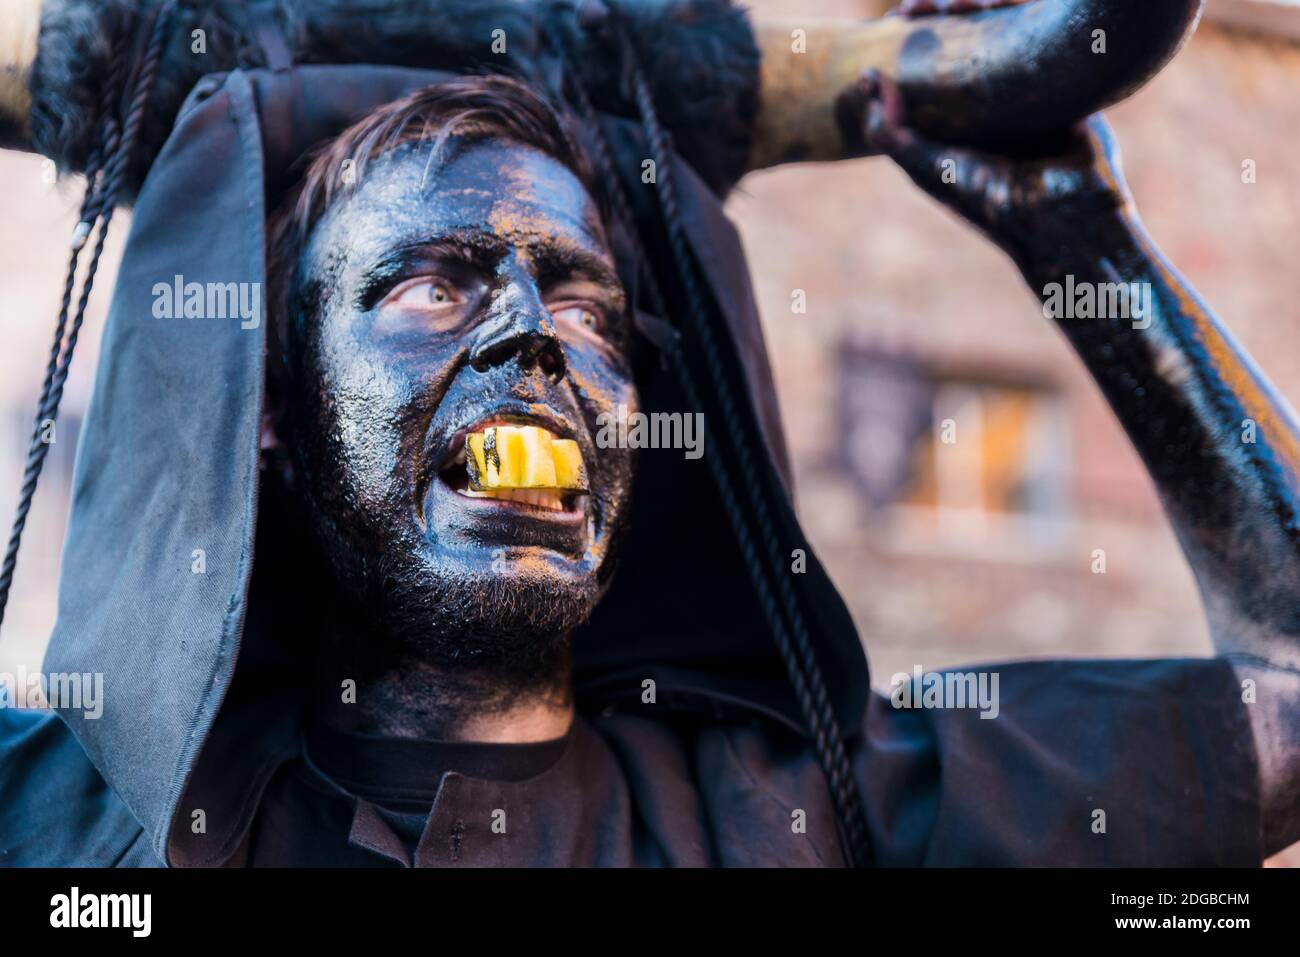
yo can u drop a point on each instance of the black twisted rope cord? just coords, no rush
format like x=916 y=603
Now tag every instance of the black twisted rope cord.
x=107 y=143
x=102 y=186
x=804 y=671
x=604 y=156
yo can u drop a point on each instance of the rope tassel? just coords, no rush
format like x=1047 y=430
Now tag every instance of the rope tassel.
x=104 y=175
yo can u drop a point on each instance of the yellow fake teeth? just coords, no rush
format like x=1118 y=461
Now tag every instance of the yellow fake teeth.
x=523 y=457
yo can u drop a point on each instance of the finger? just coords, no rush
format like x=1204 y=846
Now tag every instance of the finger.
x=893 y=111
x=874 y=108
x=1108 y=160
x=852 y=107
x=872 y=116
x=886 y=128
x=1101 y=138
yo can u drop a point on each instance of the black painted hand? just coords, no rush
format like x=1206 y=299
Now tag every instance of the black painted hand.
x=1011 y=196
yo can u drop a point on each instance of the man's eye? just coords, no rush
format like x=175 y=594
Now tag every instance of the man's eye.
x=424 y=293
x=584 y=317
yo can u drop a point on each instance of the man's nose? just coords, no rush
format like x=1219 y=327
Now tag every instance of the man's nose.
x=523 y=331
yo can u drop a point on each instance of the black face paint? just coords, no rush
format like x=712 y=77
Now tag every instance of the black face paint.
x=434 y=300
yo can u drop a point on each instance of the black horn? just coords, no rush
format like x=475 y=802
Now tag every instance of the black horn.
x=993 y=76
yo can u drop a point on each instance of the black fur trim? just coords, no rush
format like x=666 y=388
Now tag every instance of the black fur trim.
x=79 y=39
x=699 y=56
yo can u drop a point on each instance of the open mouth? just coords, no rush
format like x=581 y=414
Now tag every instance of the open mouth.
x=517 y=464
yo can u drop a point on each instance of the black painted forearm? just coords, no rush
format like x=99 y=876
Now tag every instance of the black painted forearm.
x=1224 y=450
x=1221 y=444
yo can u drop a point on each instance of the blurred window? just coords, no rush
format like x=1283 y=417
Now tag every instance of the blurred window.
x=959 y=450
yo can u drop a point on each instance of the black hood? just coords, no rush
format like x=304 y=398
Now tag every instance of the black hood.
x=204 y=668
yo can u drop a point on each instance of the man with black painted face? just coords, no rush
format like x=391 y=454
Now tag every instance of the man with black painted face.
x=443 y=269
x=464 y=281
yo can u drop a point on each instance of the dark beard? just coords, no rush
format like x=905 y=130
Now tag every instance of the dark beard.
x=514 y=633
x=428 y=654
x=471 y=643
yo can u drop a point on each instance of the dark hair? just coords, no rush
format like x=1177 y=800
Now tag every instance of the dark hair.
x=467 y=108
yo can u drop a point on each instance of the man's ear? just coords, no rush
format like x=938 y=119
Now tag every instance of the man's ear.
x=275 y=454
x=269 y=440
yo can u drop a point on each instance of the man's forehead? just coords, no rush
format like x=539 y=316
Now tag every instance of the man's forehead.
x=513 y=193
